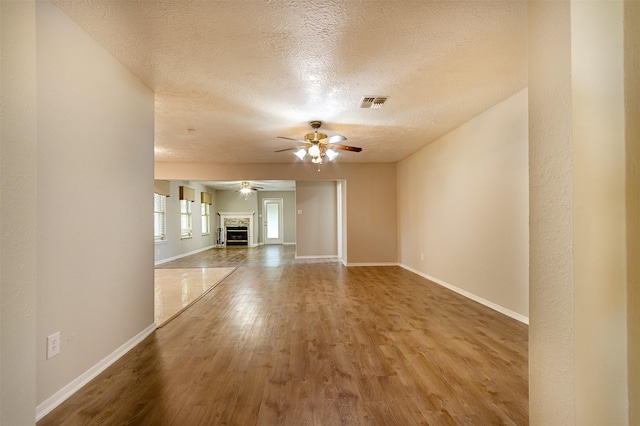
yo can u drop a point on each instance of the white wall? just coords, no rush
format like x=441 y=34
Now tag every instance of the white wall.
x=94 y=226
x=463 y=207
x=173 y=245
x=316 y=224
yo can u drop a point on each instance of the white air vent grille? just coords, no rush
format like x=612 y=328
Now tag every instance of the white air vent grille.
x=373 y=101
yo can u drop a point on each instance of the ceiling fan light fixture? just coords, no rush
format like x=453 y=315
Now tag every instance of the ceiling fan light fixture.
x=319 y=145
x=314 y=151
x=301 y=153
x=245 y=188
x=331 y=154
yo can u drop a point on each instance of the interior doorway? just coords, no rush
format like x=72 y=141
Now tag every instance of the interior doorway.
x=272 y=221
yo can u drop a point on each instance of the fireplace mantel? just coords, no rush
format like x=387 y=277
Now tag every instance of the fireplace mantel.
x=238 y=215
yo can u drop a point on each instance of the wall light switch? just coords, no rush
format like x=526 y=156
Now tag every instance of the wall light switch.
x=299 y=211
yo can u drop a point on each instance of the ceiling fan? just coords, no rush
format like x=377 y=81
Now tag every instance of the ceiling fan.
x=319 y=145
x=246 y=187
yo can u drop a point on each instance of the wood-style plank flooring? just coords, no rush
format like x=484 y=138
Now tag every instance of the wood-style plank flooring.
x=287 y=342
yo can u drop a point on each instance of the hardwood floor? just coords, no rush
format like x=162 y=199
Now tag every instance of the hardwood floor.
x=286 y=342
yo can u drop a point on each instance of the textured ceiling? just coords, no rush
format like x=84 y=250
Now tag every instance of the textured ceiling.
x=241 y=73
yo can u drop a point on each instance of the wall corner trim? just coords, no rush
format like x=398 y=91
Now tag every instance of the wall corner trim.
x=516 y=316
x=59 y=397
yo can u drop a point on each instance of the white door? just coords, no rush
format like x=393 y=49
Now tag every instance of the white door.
x=272 y=220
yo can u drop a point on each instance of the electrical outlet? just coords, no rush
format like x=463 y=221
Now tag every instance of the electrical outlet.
x=53 y=345
x=421 y=256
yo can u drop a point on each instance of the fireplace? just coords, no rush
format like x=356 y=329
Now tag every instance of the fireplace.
x=237 y=228
x=237 y=236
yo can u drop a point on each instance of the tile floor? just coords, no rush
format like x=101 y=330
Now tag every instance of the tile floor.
x=177 y=289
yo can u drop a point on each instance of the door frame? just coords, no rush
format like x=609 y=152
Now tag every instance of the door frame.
x=280 y=203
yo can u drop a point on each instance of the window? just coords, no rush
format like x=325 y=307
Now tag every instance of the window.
x=206 y=219
x=159 y=208
x=185 y=219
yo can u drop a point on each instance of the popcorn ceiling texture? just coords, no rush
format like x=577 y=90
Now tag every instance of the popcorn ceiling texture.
x=243 y=73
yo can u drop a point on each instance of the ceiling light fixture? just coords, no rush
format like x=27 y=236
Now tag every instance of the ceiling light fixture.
x=301 y=153
x=319 y=145
x=245 y=188
x=317 y=152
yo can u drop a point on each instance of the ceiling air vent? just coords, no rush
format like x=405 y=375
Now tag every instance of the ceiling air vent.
x=373 y=101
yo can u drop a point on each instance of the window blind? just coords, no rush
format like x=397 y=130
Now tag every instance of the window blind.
x=159 y=208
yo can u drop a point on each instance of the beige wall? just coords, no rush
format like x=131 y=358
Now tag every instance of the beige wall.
x=18 y=150
x=317 y=219
x=371 y=197
x=551 y=377
x=632 y=101
x=95 y=192
x=233 y=201
x=578 y=331
x=599 y=251
x=463 y=205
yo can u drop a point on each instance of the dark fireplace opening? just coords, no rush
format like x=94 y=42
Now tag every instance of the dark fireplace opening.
x=237 y=236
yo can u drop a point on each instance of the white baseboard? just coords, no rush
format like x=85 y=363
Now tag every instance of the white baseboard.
x=373 y=264
x=261 y=243
x=169 y=259
x=328 y=256
x=471 y=296
x=59 y=397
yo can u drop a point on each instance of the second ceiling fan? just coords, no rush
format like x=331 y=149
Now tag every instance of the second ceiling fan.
x=318 y=145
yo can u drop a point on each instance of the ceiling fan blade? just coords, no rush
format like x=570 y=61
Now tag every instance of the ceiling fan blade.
x=287 y=149
x=292 y=139
x=346 y=148
x=336 y=138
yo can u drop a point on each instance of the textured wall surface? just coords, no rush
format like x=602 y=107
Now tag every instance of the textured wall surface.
x=599 y=252
x=551 y=326
x=578 y=328
x=18 y=214
x=632 y=99
x=95 y=192
x=317 y=224
x=463 y=205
